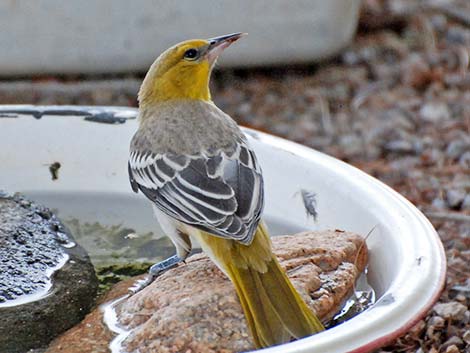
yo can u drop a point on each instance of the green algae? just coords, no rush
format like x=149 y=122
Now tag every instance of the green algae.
x=110 y=245
x=118 y=252
x=109 y=275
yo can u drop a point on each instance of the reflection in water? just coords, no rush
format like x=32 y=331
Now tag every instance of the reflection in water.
x=117 y=244
x=362 y=299
x=109 y=245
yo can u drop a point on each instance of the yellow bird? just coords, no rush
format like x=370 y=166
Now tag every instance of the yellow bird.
x=195 y=165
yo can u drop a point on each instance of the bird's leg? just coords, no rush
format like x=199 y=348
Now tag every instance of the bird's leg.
x=162 y=266
x=155 y=271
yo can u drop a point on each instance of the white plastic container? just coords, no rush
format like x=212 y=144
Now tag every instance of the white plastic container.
x=106 y=36
x=407 y=262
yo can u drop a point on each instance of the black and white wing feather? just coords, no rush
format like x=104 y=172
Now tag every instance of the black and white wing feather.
x=218 y=193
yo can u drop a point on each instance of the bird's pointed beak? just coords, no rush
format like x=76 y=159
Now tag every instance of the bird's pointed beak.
x=218 y=44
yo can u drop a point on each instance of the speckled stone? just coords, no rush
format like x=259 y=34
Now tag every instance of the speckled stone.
x=29 y=235
x=33 y=246
x=194 y=309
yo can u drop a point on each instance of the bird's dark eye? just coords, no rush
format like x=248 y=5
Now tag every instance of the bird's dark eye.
x=191 y=54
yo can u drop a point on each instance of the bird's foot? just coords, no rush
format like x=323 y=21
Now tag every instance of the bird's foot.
x=163 y=266
x=155 y=270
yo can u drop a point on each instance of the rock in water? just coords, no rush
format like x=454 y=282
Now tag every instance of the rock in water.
x=194 y=308
x=34 y=246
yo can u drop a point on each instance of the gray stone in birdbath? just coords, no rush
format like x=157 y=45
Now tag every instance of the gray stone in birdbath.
x=34 y=245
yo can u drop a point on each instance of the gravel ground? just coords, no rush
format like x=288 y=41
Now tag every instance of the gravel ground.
x=396 y=104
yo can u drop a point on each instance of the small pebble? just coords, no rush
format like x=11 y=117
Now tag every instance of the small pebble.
x=466 y=203
x=418 y=328
x=453 y=341
x=457 y=35
x=244 y=108
x=415 y=71
x=466 y=337
x=437 y=321
x=399 y=146
x=439 y=203
x=351 y=58
x=464 y=160
x=456 y=148
x=352 y=144
x=451 y=310
x=439 y=22
x=455 y=197
x=434 y=112
x=453 y=349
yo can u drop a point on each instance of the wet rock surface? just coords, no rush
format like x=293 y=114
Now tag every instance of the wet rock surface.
x=35 y=308
x=28 y=240
x=194 y=308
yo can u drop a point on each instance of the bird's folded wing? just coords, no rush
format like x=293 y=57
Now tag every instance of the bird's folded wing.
x=216 y=192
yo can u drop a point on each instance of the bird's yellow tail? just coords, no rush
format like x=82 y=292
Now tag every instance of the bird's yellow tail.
x=274 y=311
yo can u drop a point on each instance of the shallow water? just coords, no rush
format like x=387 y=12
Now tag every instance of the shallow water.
x=120 y=232
x=118 y=244
x=121 y=228
x=362 y=298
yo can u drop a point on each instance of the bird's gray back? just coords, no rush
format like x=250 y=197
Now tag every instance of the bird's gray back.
x=186 y=127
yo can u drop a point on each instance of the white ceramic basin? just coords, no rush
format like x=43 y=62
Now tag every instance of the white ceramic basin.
x=407 y=262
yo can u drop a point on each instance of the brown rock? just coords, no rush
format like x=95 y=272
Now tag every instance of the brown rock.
x=194 y=308
x=92 y=334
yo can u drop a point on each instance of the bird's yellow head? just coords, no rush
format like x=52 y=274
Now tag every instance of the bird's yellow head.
x=183 y=71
